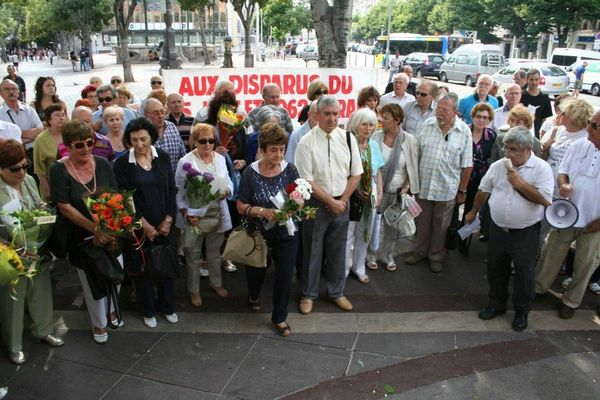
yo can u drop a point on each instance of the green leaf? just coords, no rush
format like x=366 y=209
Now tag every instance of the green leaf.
x=389 y=389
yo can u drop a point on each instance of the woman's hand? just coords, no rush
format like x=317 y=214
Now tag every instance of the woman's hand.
x=149 y=230
x=221 y=150
x=362 y=195
x=165 y=227
x=192 y=220
x=405 y=190
x=239 y=164
x=268 y=214
x=100 y=239
x=225 y=195
x=547 y=144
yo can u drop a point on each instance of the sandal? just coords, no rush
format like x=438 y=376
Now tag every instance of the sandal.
x=284 y=330
x=254 y=304
x=390 y=267
x=594 y=288
x=372 y=265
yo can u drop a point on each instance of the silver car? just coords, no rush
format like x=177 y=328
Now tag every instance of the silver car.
x=553 y=79
x=310 y=52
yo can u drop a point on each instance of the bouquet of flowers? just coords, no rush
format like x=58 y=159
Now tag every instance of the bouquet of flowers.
x=12 y=267
x=228 y=123
x=202 y=189
x=290 y=205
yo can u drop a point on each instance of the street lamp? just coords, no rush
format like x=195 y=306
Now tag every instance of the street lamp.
x=227 y=59
x=169 y=58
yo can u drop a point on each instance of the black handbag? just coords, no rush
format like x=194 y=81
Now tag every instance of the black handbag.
x=60 y=238
x=161 y=262
x=452 y=236
x=356 y=207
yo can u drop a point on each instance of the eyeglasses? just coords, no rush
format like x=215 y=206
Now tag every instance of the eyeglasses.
x=116 y=81
x=156 y=82
x=105 y=99
x=479 y=116
x=18 y=168
x=206 y=141
x=422 y=94
x=511 y=149
x=81 y=145
x=594 y=125
x=320 y=92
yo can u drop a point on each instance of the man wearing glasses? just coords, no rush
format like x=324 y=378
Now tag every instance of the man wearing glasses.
x=579 y=181
x=156 y=82
x=420 y=110
x=168 y=136
x=20 y=114
x=518 y=190
x=107 y=96
x=116 y=81
x=482 y=90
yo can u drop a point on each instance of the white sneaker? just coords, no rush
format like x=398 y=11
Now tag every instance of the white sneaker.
x=203 y=272
x=3 y=392
x=566 y=283
x=172 y=318
x=100 y=338
x=594 y=287
x=150 y=322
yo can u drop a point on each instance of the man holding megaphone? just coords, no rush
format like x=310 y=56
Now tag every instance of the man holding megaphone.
x=518 y=187
x=579 y=181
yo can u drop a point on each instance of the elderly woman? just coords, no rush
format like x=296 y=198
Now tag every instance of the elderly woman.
x=265 y=114
x=19 y=189
x=125 y=99
x=113 y=119
x=519 y=115
x=399 y=176
x=574 y=116
x=367 y=196
x=316 y=89
x=45 y=96
x=264 y=178
x=72 y=178
x=160 y=95
x=147 y=171
x=205 y=159
x=46 y=146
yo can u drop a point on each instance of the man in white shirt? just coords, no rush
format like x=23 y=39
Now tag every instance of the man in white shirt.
x=518 y=191
x=394 y=64
x=19 y=113
x=579 y=181
x=10 y=131
x=513 y=97
x=329 y=159
x=299 y=133
x=399 y=95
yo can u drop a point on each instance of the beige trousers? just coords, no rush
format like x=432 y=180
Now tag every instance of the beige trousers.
x=432 y=225
x=191 y=242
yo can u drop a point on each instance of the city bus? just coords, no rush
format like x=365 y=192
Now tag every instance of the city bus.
x=407 y=43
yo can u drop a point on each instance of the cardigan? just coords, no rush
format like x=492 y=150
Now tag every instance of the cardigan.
x=410 y=148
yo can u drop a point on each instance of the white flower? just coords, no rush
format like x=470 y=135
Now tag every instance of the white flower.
x=304 y=188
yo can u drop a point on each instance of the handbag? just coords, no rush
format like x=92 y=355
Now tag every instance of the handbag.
x=356 y=207
x=246 y=246
x=212 y=220
x=397 y=217
x=452 y=236
x=162 y=262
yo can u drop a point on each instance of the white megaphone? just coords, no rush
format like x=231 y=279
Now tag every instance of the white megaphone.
x=561 y=214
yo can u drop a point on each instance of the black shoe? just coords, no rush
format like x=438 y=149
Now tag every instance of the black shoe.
x=566 y=312
x=490 y=312
x=520 y=321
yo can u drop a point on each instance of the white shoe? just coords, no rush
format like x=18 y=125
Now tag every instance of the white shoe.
x=3 y=392
x=101 y=338
x=172 y=318
x=566 y=283
x=203 y=272
x=150 y=322
x=594 y=288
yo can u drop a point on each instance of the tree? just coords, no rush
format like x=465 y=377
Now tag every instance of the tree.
x=123 y=17
x=245 y=10
x=332 y=26
x=200 y=7
x=284 y=17
x=448 y=15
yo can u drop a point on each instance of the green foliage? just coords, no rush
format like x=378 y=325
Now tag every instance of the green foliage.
x=283 y=17
x=195 y=5
x=12 y=14
x=448 y=15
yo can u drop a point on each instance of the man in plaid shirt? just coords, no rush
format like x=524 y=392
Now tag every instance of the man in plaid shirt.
x=445 y=164
x=168 y=136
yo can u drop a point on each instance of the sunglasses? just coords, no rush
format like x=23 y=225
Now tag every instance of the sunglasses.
x=105 y=99
x=422 y=94
x=206 y=141
x=320 y=92
x=116 y=81
x=156 y=82
x=18 y=168
x=594 y=125
x=81 y=145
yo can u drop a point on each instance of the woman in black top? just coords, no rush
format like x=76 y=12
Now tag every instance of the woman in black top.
x=147 y=170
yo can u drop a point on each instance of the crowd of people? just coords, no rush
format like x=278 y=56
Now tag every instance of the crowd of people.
x=504 y=163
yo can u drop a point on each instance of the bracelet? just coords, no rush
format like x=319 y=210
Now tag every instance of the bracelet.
x=260 y=212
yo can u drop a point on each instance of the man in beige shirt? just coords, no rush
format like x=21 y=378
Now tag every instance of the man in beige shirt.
x=329 y=159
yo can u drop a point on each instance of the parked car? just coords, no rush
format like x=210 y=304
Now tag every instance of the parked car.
x=309 y=53
x=553 y=79
x=471 y=60
x=424 y=64
x=591 y=77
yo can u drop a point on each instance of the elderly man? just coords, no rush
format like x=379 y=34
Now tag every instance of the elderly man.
x=518 y=191
x=412 y=86
x=299 y=133
x=520 y=78
x=12 y=75
x=18 y=113
x=182 y=121
x=481 y=94
x=513 y=97
x=329 y=159
x=271 y=95
x=156 y=82
x=579 y=181
x=102 y=146
x=399 y=95
x=420 y=110
x=220 y=86
x=168 y=135
x=445 y=164
x=107 y=96
x=533 y=96
x=394 y=65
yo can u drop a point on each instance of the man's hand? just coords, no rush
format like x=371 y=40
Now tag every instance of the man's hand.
x=593 y=226
x=460 y=198
x=221 y=150
x=514 y=178
x=470 y=217
x=337 y=207
x=566 y=189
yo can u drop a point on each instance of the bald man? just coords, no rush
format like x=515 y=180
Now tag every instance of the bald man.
x=102 y=146
x=182 y=121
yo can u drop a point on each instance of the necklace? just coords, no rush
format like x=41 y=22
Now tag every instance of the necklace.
x=145 y=166
x=81 y=180
x=211 y=163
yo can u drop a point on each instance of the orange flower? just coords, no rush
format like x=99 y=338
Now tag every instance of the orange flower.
x=127 y=220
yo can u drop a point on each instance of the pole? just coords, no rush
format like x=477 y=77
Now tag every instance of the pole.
x=389 y=28
x=169 y=58
x=145 y=23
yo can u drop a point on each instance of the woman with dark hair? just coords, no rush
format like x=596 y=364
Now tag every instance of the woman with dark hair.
x=48 y=145
x=72 y=178
x=18 y=188
x=147 y=171
x=368 y=97
x=261 y=180
x=45 y=95
x=316 y=89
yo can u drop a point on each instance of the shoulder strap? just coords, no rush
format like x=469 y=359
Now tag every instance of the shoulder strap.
x=348 y=140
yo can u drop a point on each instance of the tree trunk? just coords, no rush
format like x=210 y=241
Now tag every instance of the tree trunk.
x=203 y=38
x=332 y=27
x=122 y=22
x=248 y=56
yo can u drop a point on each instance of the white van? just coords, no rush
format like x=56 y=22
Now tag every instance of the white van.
x=564 y=57
x=471 y=60
x=591 y=77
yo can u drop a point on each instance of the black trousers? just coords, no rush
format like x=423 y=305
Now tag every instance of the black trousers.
x=521 y=247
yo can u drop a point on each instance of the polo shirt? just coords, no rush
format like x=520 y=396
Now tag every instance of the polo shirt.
x=9 y=130
x=414 y=117
x=25 y=118
x=392 y=98
x=466 y=104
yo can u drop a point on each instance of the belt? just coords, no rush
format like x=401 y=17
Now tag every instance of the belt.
x=337 y=197
x=513 y=230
